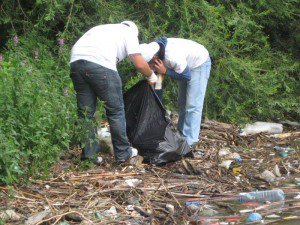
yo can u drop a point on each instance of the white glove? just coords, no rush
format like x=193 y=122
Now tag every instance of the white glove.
x=152 y=79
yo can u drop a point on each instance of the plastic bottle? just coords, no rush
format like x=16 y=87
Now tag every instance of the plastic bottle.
x=259 y=127
x=262 y=196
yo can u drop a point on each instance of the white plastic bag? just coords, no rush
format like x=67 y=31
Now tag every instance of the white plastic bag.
x=259 y=127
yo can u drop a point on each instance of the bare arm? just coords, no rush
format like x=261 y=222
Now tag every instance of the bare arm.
x=140 y=64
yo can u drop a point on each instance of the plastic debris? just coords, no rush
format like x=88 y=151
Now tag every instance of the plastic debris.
x=290 y=217
x=129 y=207
x=284 y=149
x=34 y=219
x=226 y=164
x=268 y=176
x=193 y=208
x=170 y=208
x=262 y=196
x=283 y=154
x=98 y=215
x=254 y=217
x=259 y=127
x=236 y=171
x=223 y=152
x=272 y=216
x=207 y=210
x=196 y=203
x=277 y=171
x=9 y=215
x=111 y=211
x=133 y=182
x=104 y=132
x=297 y=197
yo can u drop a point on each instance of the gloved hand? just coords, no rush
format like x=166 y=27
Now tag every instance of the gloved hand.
x=152 y=79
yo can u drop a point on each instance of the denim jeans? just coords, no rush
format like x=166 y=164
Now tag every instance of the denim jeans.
x=190 y=101
x=91 y=81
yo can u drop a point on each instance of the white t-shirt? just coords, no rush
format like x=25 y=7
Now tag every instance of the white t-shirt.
x=106 y=45
x=182 y=52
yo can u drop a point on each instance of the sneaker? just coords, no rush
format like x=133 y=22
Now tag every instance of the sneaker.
x=134 y=152
x=134 y=158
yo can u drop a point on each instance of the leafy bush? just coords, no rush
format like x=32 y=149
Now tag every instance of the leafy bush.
x=37 y=109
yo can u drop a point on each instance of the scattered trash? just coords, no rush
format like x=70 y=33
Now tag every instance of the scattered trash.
x=47 y=186
x=9 y=214
x=104 y=132
x=133 y=182
x=129 y=207
x=196 y=203
x=236 y=171
x=171 y=191
x=272 y=216
x=226 y=164
x=277 y=171
x=105 y=140
x=290 y=217
x=285 y=149
x=34 y=219
x=193 y=208
x=297 y=197
x=259 y=127
x=98 y=215
x=111 y=211
x=268 y=176
x=170 y=208
x=262 y=196
x=224 y=151
x=207 y=210
x=283 y=154
x=254 y=217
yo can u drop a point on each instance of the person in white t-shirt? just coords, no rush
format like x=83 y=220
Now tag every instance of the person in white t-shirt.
x=94 y=74
x=188 y=62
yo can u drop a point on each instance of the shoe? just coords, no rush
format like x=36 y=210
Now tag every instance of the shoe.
x=136 y=161
x=134 y=158
x=134 y=152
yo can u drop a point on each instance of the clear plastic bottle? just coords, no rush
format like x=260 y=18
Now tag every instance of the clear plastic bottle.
x=262 y=196
x=258 y=127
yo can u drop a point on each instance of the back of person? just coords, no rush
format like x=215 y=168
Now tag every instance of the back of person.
x=105 y=45
x=194 y=54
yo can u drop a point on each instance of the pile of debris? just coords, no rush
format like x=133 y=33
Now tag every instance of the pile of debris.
x=204 y=189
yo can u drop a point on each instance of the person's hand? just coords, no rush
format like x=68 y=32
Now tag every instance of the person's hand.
x=152 y=78
x=160 y=66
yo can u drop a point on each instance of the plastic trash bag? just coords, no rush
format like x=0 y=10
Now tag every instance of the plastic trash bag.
x=148 y=129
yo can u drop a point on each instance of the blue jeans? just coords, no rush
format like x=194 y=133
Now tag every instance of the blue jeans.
x=91 y=81
x=190 y=101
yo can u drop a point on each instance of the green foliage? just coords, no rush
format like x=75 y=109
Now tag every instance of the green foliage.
x=254 y=46
x=37 y=118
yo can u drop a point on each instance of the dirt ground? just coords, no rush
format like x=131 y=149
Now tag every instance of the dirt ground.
x=200 y=190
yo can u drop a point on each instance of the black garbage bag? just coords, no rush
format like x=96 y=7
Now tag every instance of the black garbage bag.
x=148 y=129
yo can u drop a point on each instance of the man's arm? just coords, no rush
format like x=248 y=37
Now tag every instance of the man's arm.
x=142 y=66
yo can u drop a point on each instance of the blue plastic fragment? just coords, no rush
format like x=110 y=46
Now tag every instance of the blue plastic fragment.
x=196 y=203
x=239 y=160
x=254 y=217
